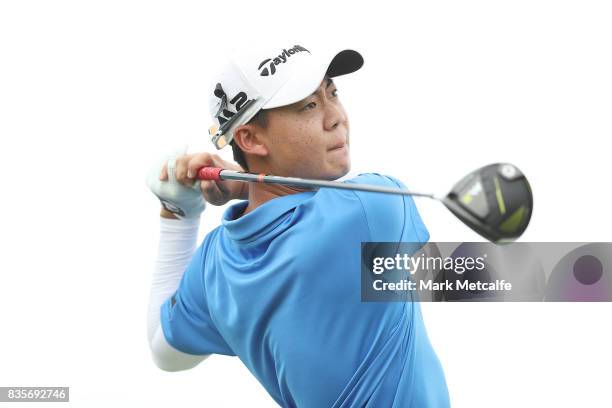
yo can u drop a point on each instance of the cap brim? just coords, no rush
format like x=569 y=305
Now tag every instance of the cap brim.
x=304 y=82
x=344 y=62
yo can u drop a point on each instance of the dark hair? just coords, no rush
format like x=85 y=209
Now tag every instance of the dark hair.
x=260 y=119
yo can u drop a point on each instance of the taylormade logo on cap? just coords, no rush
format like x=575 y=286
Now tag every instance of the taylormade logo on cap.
x=270 y=68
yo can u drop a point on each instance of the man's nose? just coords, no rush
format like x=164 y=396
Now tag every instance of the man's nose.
x=334 y=115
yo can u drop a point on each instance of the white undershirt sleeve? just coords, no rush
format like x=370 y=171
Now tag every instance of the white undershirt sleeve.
x=177 y=244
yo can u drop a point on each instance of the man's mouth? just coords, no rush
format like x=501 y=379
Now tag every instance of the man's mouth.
x=338 y=146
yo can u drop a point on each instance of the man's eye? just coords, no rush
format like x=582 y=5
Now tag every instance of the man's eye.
x=311 y=105
x=334 y=93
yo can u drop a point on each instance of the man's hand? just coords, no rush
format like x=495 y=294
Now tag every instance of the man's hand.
x=177 y=200
x=215 y=192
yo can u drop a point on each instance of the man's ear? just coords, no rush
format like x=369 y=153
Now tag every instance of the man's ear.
x=250 y=140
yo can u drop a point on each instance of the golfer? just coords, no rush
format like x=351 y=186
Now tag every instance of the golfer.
x=277 y=284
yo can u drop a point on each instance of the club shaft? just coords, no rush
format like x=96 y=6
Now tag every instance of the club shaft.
x=222 y=174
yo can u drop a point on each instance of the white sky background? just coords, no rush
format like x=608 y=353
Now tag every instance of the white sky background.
x=91 y=93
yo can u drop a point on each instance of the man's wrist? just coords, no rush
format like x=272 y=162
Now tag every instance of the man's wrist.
x=167 y=214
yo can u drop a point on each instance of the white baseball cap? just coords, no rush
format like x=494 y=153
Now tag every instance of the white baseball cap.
x=269 y=77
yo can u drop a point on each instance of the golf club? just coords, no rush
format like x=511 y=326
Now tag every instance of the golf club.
x=495 y=200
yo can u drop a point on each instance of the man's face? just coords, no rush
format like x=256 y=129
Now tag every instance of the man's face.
x=309 y=138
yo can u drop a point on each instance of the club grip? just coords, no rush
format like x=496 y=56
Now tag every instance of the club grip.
x=210 y=173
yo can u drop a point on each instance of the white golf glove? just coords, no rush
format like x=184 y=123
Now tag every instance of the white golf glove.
x=182 y=201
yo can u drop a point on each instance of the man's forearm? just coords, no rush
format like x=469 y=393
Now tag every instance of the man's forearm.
x=177 y=244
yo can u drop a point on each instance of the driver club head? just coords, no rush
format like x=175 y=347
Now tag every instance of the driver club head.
x=495 y=201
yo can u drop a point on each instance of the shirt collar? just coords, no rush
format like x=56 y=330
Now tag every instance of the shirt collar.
x=263 y=219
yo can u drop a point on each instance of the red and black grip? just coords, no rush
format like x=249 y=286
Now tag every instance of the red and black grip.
x=210 y=173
